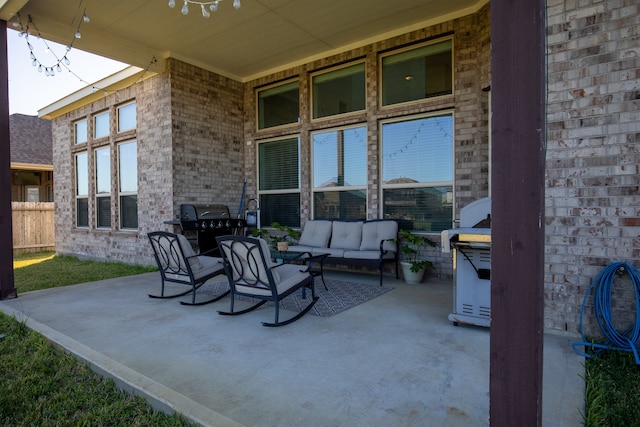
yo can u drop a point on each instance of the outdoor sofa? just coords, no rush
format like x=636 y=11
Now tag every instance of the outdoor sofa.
x=370 y=243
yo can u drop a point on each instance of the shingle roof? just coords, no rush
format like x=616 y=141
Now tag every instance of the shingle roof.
x=31 y=139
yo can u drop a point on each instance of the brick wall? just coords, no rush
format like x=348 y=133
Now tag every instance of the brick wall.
x=189 y=133
x=593 y=174
x=471 y=39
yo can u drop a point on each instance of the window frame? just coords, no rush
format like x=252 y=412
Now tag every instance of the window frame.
x=78 y=195
x=260 y=90
x=449 y=195
x=391 y=53
x=122 y=194
x=265 y=193
x=76 y=132
x=120 y=108
x=97 y=116
x=99 y=196
x=324 y=72
x=338 y=188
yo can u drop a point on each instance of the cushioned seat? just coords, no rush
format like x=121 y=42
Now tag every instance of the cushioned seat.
x=178 y=263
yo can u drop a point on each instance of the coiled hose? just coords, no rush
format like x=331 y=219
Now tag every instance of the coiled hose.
x=602 y=287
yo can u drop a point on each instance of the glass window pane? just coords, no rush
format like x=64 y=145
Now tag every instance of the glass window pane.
x=279 y=105
x=82 y=174
x=103 y=211
x=103 y=171
x=128 y=167
x=340 y=204
x=419 y=150
x=101 y=125
x=340 y=158
x=339 y=91
x=417 y=172
x=422 y=209
x=82 y=212
x=278 y=163
x=127 y=117
x=129 y=211
x=281 y=208
x=81 y=132
x=418 y=73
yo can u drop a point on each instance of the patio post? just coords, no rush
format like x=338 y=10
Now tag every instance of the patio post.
x=7 y=288
x=517 y=176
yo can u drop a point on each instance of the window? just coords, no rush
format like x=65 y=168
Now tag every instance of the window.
x=417 y=172
x=279 y=105
x=128 y=184
x=101 y=125
x=279 y=182
x=82 y=190
x=127 y=117
x=103 y=187
x=339 y=91
x=418 y=73
x=80 y=132
x=340 y=174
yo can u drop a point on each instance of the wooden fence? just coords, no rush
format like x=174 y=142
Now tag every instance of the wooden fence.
x=33 y=226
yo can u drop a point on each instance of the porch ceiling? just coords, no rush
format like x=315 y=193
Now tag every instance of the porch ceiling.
x=262 y=37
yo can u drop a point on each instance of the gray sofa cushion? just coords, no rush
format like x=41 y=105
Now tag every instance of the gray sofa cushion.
x=316 y=234
x=346 y=235
x=375 y=231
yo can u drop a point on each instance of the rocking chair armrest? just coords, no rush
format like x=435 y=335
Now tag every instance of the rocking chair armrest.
x=206 y=252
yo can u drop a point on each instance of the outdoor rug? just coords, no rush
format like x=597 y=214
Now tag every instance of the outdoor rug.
x=341 y=296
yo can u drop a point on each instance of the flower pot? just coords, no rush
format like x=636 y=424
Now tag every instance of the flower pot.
x=283 y=246
x=410 y=277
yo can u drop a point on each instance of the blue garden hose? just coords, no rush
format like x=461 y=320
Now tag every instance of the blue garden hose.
x=602 y=287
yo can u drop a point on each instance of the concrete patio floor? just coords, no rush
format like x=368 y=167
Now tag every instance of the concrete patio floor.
x=393 y=361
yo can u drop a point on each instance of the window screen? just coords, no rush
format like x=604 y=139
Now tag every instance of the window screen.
x=417 y=172
x=339 y=91
x=279 y=182
x=340 y=173
x=279 y=105
x=418 y=73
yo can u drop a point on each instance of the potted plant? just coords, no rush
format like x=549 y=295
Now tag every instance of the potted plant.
x=279 y=240
x=413 y=267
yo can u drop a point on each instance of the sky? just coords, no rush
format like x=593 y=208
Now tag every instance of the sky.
x=30 y=90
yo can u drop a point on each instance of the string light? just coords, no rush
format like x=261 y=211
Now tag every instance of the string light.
x=32 y=30
x=205 y=6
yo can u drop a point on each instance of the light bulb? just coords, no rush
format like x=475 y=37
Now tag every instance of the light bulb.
x=66 y=60
x=205 y=12
x=185 y=8
x=34 y=62
x=68 y=48
x=46 y=72
x=32 y=56
x=213 y=6
x=78 y=35
x=21 y=34
x=51 y=72
x=172 y=3
x=40 y=68
x=236 y=4
x=85 y=18
x=59 y=68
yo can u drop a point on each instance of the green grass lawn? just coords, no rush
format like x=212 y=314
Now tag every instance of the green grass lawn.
x=41 y=385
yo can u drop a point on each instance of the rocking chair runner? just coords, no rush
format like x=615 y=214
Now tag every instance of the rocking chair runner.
x=251 y=273
x=178 y=263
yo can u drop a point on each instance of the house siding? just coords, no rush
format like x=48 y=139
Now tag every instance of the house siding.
x=592 y=167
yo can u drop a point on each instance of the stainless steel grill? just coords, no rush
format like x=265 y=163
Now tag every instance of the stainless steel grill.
x=470 y=246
